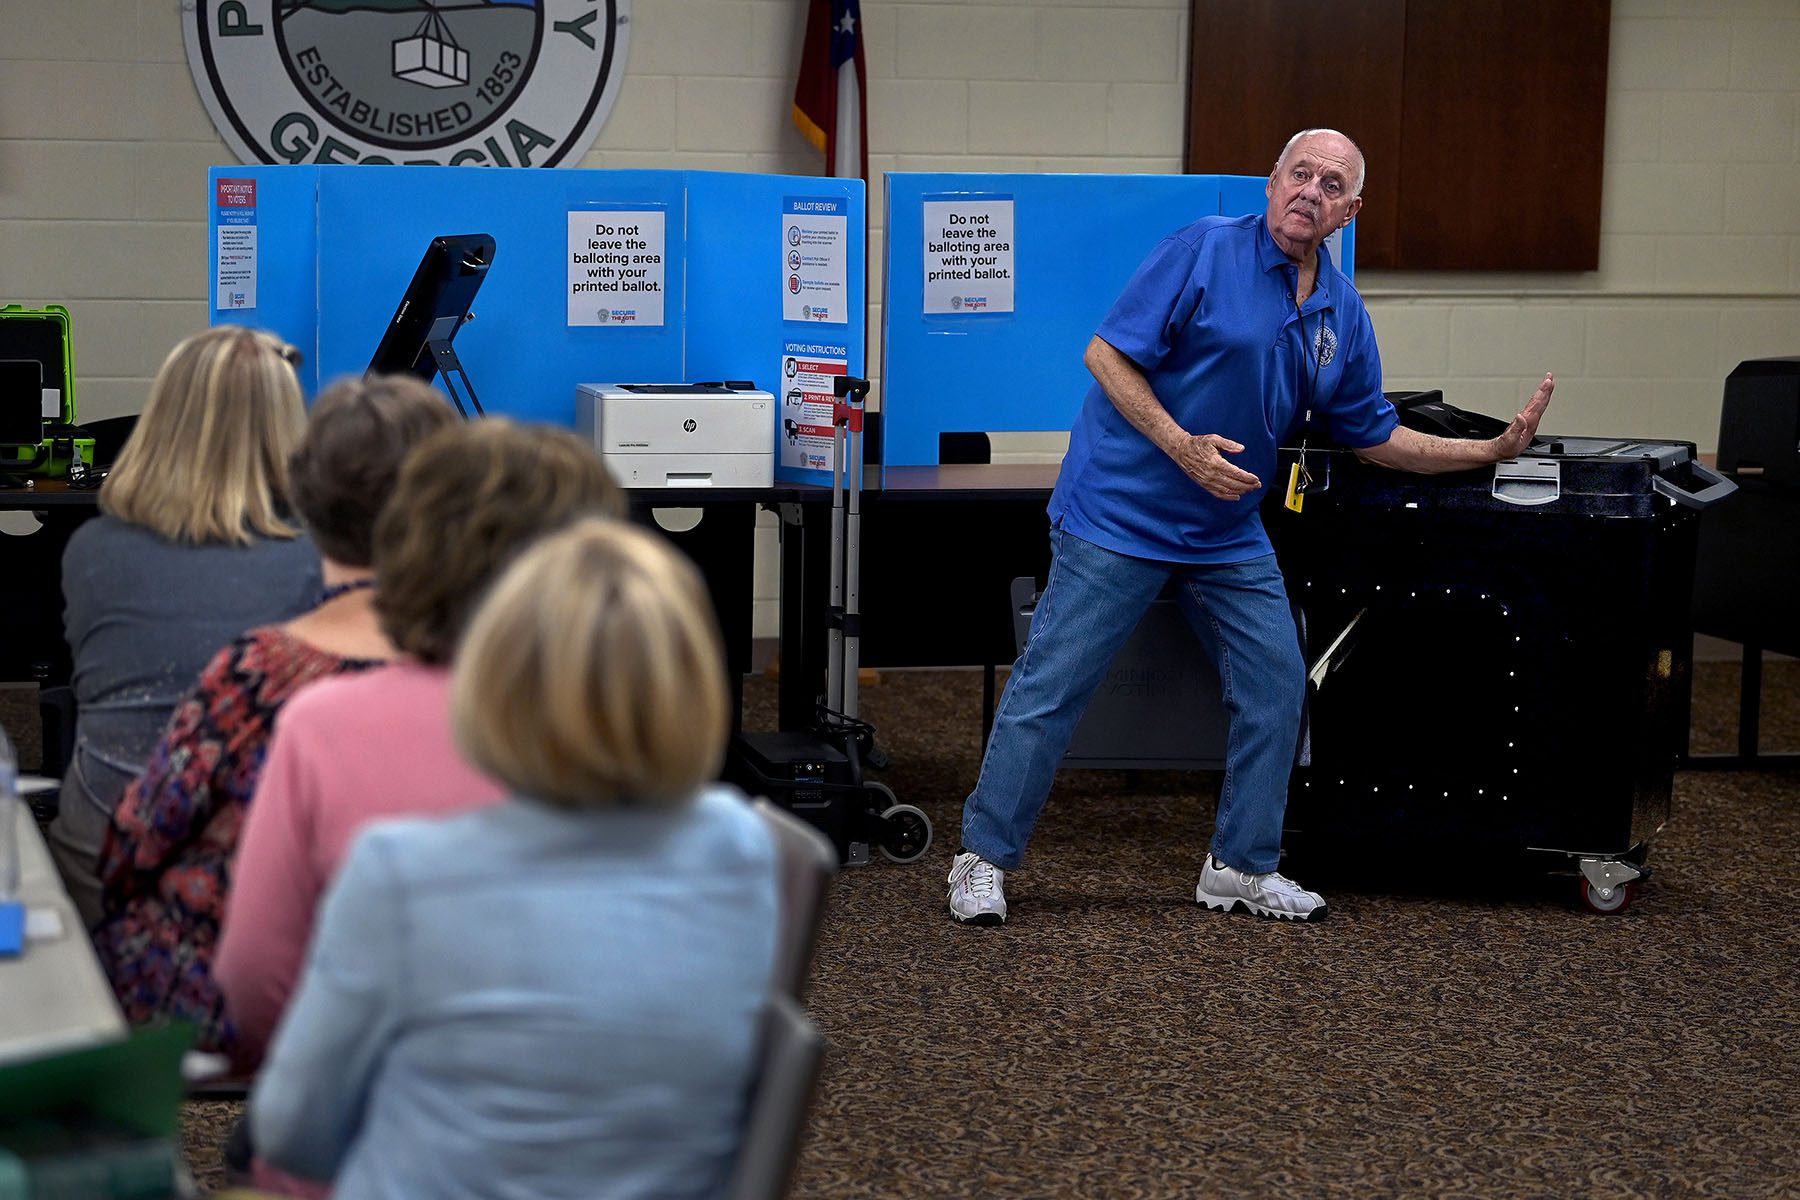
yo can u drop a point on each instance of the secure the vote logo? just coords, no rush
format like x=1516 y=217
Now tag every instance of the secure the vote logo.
x=510 y=83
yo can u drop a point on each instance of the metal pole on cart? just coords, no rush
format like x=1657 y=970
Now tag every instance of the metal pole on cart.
x=834 y=639
x=853 y=475
x=902 y=831
x=846 y=530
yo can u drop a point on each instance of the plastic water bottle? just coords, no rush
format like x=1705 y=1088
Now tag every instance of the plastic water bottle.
x=9 y=820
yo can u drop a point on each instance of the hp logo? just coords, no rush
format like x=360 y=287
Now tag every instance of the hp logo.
x=690 y=424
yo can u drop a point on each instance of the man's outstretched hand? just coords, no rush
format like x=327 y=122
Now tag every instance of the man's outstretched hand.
x=1524 y=427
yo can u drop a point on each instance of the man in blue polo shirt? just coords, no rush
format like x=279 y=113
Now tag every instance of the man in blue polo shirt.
x=1228 y=336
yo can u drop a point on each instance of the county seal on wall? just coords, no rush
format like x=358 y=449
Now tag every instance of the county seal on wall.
x=512 y=83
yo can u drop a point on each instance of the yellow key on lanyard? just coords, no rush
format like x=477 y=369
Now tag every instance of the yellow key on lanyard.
x=1299 y=480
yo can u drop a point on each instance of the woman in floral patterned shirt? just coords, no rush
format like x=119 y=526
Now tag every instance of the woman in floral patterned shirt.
x=165 y=869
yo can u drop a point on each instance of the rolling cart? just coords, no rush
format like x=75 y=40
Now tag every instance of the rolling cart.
x=817 y=774
x=1500 y=658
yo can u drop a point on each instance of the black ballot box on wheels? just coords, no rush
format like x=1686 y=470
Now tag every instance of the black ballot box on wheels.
x=1499 y=658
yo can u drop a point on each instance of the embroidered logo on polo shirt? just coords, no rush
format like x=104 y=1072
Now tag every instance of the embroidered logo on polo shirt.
x=1325 y=345
x=509 y=83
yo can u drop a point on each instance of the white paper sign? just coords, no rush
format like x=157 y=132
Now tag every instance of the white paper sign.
x=969 y=255
x=616 y=268
x=803 y=433
x=234 y=255
x=815 y=259
x=237 y=266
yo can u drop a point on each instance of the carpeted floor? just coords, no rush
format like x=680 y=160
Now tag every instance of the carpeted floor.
x=1480 y=1038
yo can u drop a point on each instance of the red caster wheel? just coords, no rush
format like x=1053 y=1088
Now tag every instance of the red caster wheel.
x=1622 y=894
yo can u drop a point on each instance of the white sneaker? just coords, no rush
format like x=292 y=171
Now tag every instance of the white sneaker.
x=1270 y=894
x=977 y=891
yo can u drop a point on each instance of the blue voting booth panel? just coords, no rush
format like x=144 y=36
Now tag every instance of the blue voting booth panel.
x=1077 y=240
x=735 y=327
x=337 y=245
x=521 y=356
x=282 y=212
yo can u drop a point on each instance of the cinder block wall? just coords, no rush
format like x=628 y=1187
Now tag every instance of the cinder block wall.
x=104 y=145
x=1700 y=242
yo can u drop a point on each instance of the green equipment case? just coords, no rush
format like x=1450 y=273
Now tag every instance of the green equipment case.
x=43 y=335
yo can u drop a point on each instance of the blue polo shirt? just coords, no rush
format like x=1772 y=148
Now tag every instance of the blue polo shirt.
x=1209 y=318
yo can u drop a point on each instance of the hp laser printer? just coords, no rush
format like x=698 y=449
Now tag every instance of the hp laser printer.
x=653 y=435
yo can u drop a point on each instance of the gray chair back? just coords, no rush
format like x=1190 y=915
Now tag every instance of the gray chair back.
x=788 y=1069
x=807 y=864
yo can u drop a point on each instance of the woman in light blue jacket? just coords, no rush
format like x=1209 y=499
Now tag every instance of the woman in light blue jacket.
x=560 y=996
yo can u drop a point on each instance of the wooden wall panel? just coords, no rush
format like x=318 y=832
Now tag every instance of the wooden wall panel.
x=1483 y=121
x=1503 y=134
x=1261 y=70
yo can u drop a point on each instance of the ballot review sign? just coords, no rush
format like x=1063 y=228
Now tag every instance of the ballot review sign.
x=815 y=259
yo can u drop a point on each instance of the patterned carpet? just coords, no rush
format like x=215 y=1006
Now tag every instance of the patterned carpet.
x=1476 y=1037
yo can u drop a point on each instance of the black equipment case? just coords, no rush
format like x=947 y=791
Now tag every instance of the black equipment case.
x=1748 y=570
x=1749 y=565
x=1500 y=657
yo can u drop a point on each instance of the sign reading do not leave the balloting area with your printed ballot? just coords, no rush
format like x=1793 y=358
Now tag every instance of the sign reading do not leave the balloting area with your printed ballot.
x=616 y=267
x=968 y=254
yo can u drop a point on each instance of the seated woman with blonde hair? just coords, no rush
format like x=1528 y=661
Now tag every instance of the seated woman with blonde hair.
x=166 y=867
x=196 y=543
x=558 y=996
x=467 y=502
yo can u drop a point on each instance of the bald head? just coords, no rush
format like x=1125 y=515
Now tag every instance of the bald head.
x=1314 y=190
x=1361 y=168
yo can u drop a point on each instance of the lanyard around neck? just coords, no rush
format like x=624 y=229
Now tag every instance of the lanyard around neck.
x=1303 y=477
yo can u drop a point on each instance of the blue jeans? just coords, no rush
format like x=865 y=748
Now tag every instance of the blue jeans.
x=1092 y=602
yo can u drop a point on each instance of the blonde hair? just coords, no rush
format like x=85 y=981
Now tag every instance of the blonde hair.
x=208 y=460
x=592 y=675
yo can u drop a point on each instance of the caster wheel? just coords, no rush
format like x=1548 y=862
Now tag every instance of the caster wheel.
x=905 y=833
x=1607 y=906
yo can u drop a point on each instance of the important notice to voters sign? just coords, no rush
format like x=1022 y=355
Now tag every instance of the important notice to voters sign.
x=235 y=283
x=969 y=254
x=616 y=268
x=815 y=259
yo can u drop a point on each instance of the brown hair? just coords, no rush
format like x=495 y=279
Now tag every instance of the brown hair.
x=467 y=501
x=593 y=674
x=208 y=459
x=344 y=470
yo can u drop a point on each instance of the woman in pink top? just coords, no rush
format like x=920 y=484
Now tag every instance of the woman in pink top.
x=169 y=860
x=352 y=750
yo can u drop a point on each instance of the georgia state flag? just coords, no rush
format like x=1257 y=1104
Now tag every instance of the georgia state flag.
x=828 y=98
